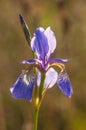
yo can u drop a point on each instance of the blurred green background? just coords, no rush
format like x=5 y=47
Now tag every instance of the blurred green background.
x=67 y=19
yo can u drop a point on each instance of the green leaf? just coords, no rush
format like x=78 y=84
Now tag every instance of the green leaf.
x=25 y=29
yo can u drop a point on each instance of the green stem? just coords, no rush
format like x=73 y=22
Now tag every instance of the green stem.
x=41 y=85
x=38 y=99
x=36 y=112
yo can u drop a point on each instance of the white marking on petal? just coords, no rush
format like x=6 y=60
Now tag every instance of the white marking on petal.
x=11 y=89
x=25 y=79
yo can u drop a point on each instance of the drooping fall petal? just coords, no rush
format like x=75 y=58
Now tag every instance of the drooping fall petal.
x=51 y=78
x=23 y=87
x=64 y=84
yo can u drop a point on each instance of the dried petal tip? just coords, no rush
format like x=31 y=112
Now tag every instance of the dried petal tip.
x=21 y=19
x=25 y=29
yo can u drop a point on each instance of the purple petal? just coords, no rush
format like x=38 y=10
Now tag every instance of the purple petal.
x=23 y=87
x=39 y=44
x=64 y=84
x=51 y=78
x=58 y=60
x=30 y=61
x=51 y=40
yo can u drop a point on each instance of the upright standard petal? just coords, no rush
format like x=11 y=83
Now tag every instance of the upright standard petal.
x=39 y=44
x=64 y=84
x=51 y=78
x=51 y=40
x=23 y=87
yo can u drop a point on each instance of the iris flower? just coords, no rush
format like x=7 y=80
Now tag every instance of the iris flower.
x=43 y=45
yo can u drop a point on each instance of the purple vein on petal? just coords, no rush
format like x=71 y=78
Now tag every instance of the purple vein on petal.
x=64 y=84
x=23 y=87
x=39 y=44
